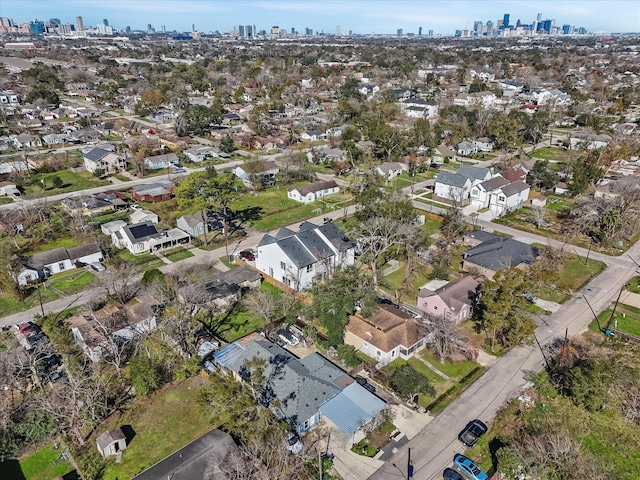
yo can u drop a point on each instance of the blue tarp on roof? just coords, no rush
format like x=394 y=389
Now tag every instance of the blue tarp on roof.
x=351 y=408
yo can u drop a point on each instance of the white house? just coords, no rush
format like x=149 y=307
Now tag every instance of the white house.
x=312 y=192
x=146 y=237
x=386 y=335
x=9 y=188
x=484 y=144
x=452 y=187
x=509 y=198
x=480 y=194
x=479 y=100
x=198 y=153
x=42 y=265
x=296 y=258
x=588 y=141
x=419 y=108
x=103 y=161
x=142 y=215
x=390 y=170
x=466 y=148
x=267 y=174
x=24 y=140
x=312 y=135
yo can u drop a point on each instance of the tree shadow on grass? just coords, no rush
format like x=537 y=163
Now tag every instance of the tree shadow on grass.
x=495 y=444
x=11 y=470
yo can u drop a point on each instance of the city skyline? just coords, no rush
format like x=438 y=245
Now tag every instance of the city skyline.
x=358 y=16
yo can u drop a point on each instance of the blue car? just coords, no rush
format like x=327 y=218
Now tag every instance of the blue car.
x=468 y=468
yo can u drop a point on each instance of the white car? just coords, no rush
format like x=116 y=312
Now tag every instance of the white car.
x=97 y=266
x=294 y=444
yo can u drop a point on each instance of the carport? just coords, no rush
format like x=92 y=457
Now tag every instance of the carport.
x=352 y=408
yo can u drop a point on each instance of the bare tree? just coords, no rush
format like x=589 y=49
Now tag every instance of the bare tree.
x=539 y=214
x=120 y=283
x=262 y=303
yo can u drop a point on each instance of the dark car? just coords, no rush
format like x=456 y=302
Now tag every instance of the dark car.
x=247 y=255
x=472 y=432
x=451 y=474
x=386 y=301
x=363 y=383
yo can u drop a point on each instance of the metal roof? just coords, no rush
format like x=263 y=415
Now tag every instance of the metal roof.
x=352 y=408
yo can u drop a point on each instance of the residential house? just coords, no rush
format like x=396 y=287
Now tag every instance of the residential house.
x=166 y=160
x=555 y=97
x=217 y=291
x=199 y=153
x=143 y=215
x=312 y=135
x=111 y=442
x=312 y=192
x=443 y=154
x=302 y=391
x=100 y=332
x=103 y=161
x=480 y=194
x=589 y=141
x=493 y=252
x=41 y=265
x=24 y=140
x=296 y=258
x=159 y=191
x=367 y=89
x=453 y=301
x=390 y=170
x=389 y=333
x=146 y=237
x=194 y=224
x=55 y=139
x=243 y=276
x=509 y=197
x=9 y=98
x=479 y=100
x=113 y=226
x=452 y=188
x=96 y=204
x=419 y=108
x=484 y=144
x=561 y=188
x=466 y=148
x=266 y=175
x=476 y=174
x=516 y=173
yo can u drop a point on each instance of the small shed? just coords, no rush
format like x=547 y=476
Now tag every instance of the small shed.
x=539 y=201
x=111 y=442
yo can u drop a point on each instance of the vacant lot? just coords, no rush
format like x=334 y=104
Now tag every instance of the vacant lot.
x=71 y=182
x=555 y=154
x=160 y=425
x=72 y=281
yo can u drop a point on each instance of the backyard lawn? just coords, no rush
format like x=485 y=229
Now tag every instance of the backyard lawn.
x=161 y=423
x=454 y=370
x=406 y=288
x=71 y=182
x=555 y=154
x=626 y=318
x=145 y=261
x=43 y=464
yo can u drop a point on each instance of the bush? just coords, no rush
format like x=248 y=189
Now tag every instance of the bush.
x=348 y=354
x=407 y=382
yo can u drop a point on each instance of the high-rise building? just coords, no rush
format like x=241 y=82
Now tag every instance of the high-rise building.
x=489 y=28
x=505 y=21
x=55 y=22
x=64 y=29
x=566 y=29
x=105 y=22
x=477 y=27
x=6 y=22
x=419 y=31
x=275 y=30
x=241 y=31
x=539 y=17
x=308 y=31
x=79 y=24
x=127 y=29
x=293 y=30
x=36 y=27
x=399 y=32
x=430 y=33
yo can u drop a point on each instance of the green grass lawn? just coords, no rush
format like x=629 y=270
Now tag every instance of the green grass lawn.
x=634 y=285
x=554 y=154
x=66 y=242
x=72 y=281
x=144 y=261
x=10 y=304
x=432 y=223
x=5 y=200
x=455 y=370
x=559 y=204
x=177 y=254
x=38 y=465
x=575 y=273
x=163 y=423
x=627 y=319
x=72 y=182
x=406 y=288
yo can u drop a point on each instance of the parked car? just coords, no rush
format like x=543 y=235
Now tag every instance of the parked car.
x=288 y=337
x=468 y=468
x=97 y=266
x=247 y=255
x=28 y=329
x=294 y=444
x=472 y=432
x=451 y=474
x=135 y=206
x=178 y=170
x=363 y=383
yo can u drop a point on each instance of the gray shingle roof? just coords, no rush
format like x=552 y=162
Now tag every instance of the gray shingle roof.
x=514 y=187
x=475 y=173
x=453 y=179
x=96 y=154
x=493 y=183
x=500 y=253
x=315 y=187
x=39 y=260
x=300 y=385
x=296 y=251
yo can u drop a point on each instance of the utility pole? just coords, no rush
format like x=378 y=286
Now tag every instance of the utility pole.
x=613 y=312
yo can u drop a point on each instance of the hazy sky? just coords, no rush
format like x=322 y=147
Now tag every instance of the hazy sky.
x=360 y=16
